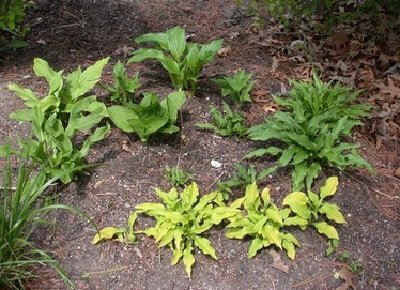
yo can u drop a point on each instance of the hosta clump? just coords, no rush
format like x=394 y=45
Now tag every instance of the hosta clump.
x=312 y=209
x=238 y=86
x=182 y=219
x=60 y=115
x=262 y=221
x=182 y=60
x=229 y=124
x=318 y=118
x=150 y=116
x=124 y=88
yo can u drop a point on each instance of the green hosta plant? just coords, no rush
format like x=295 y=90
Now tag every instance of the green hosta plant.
x=318 y=118
x=150 y=116
x=229 y=124
x=182 y=219
x=60 y=115
x=312 y=209
x=177 y=176
x=182 y=60
x=238 y=86
x=262 y=221
x=124 y=88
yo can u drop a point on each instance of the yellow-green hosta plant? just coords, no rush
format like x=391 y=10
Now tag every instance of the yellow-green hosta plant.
x=312 y=209
x=262 y=221
x=182 y=219
x=182 y=60
x=121 y=234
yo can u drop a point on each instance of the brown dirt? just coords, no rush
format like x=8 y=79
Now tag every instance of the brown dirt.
x=71 y=33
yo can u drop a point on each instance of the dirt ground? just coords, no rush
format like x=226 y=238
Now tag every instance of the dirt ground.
x=68 y=33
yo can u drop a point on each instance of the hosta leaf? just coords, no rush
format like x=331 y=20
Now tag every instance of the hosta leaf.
x=327 y=230
x=295 y=198
x=25 y=94
x=329 y=188
x=273 y=215
x=235 y=233
x=42 y=69
x=314 y=199
x=193 y=58
x=145 y=53
x=205 y=246
x=255 y=245
x=290 y=249
x=251 y=196
x=167 y=238
x=188 y=258
x=121 y=116
x=176 y=42
x=221 y=213
x=272 y=234
x=295 y=221
x=109 y=233
x=24 y=115
x=176 y=255
x=332 y=211
x=356 y=160
x=287 y=156
x=172 y=103
x=303 y=141
x=189 y=195
x=150 y=207
x=237 y=203
x=256 y=153
x=99 y=134
x=299 y=175
x=266 y=196
x=160 y=38
x=170 y=65
x=312 y=173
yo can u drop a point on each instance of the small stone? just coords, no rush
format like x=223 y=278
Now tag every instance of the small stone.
x=349 y=215
x=127 y=205
x=208 y=98
x=215 y=164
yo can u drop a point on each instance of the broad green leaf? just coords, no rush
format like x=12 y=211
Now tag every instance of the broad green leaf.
x=290 y=249
x=150 y=207
x=42 y=69
x=99 y=134
x=205 y=246
x=221 y=213
x=172 y=103
x=208 y=51
x=160 y=38
x=256 y=153
x=251 y=196
x=145 y=53
x=329 y=188
x=266 y=196
x=295 y=221
x=188 y=258
x=314 y=199
x=332 y=211
x=88 y=78
x=176 y=42
x=287 y=156
x=121 y=116
x=273 y=215
x=235 y=233
x=295 y=198
x=25 y=94
x=109 y=233
x=298 y=175
x=193 y=58
x=176 y=255
x=312 y=173
x=255 y=245
x=327 y=230
x=272 y=235
x=171 y=66
x=167 y=238
x=24 y=115
x=237 y=203
x=189 y=195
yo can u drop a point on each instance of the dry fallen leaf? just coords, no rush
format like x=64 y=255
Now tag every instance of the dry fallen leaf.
x=126 y=147
x=390 y=88
x=275 y=64
x=259 y=95
x=338 y=40
x=278 y=263
x=269 y=108
x=347 y=276
x=224 y=51
x=397 y=173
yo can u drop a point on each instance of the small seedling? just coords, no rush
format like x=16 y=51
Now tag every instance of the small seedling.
x=226 y=124
x=176 y=176
x=237 y=87
x=124 y=88
x=243 y=176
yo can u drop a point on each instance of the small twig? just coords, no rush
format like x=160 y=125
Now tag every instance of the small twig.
x=215 y=181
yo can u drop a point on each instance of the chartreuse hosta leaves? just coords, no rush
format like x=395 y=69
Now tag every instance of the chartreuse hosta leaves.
x=182 y=219
x=311 y=209
x=150 y=116
x=319 y=116
x=58 y=116
x=182 y=60
x=122 y=234
x=238 y=86
x=262 y=221
x=229 y=124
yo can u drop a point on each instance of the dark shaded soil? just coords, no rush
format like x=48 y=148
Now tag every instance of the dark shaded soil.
x=71 y=33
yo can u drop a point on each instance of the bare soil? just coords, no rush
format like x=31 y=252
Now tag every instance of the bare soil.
x=71 y=33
